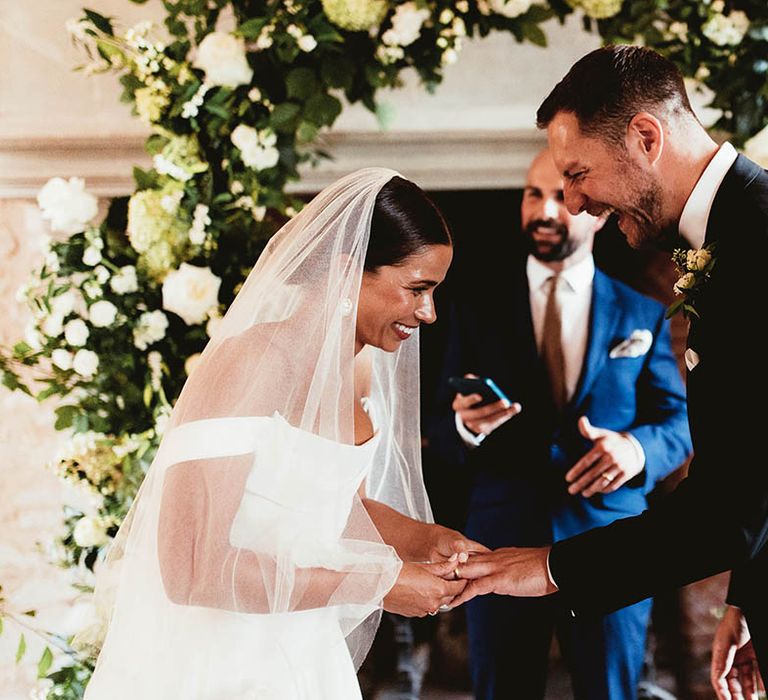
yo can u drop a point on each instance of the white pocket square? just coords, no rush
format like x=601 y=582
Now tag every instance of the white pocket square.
x=638 y=343
x=691 y=358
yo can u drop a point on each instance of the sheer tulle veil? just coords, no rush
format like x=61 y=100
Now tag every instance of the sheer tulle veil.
x=273 y=385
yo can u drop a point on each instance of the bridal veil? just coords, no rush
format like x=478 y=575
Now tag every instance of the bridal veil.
x=251 y=508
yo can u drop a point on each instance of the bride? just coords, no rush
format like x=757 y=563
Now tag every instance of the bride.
x=286 y=506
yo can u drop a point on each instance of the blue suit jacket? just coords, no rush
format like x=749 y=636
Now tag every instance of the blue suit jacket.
x=518 y=494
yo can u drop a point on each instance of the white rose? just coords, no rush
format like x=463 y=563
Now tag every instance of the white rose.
x=76 y=332
x=756 y=148
x=191 y=292
x=191 y=363
x=103 y=314
x=67 y=205
x=222 y=57
x=90 y=532
x=124 y=280
x=85 y=363
x=406 y=25
x=510 y=8
x=150 y=328
x=62 y=358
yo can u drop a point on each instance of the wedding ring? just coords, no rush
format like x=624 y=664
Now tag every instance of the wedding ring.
x=434 y=612
x=607 y=478
x=456 y=573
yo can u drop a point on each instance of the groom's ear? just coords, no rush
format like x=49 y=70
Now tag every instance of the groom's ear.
x=645 y=137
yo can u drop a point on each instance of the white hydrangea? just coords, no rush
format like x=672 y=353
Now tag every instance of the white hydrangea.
x=222 y=57
x=90 y=532
x=510 y=8
x=191 y=108
x=103 y=314
x=62 y=358
x=124 y=281
x=756 y=148
x=102 y=274
x=67 y=205
x=257 y=148
x=150 y=328
x=406 y=25
x=355 y=15
x=76 y=332
x=726 y=30
x=85 y=363
x=191 y=292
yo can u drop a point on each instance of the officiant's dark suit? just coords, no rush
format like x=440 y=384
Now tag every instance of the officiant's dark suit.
x=629 y=383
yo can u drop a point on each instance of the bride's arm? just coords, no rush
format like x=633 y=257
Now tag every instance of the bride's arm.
x=414 y=540
x=200 y=567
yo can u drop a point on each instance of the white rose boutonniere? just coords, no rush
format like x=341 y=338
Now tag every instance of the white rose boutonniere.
x=695 y=268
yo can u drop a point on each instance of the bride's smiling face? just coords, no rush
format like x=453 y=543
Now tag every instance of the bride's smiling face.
x=396 y=299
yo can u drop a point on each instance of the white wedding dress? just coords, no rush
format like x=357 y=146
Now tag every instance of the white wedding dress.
x=299 y=655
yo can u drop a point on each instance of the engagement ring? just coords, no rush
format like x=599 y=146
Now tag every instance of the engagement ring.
x=456 y=573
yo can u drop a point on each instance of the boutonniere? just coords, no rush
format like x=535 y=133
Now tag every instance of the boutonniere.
x=695 y=268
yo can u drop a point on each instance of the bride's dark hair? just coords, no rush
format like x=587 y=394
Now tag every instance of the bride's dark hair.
x=405 y=221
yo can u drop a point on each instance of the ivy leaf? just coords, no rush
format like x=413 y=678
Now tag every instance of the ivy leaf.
x=534 y=34
x=45 y=663
x=145 y=180
x=252 y=28
x=322 y=109
x=21 y=649
x=102 y=23
x=283 y=116
x=300 y=83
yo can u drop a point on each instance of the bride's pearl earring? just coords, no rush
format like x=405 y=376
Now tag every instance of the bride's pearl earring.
x=346 y=306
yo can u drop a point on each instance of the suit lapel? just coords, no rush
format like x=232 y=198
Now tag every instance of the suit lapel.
x=603 y=317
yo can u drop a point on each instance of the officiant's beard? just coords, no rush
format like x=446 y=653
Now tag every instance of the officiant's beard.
x=560 y=249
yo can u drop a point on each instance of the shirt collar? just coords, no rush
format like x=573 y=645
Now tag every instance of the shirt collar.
x=693 y=221
x=578 y=276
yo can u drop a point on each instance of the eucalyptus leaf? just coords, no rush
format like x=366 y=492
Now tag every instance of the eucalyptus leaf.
x=21 y=649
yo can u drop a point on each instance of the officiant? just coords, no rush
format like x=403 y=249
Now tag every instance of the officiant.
x=596 y=417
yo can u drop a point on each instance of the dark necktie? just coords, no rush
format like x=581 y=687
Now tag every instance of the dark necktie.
x=552 y=345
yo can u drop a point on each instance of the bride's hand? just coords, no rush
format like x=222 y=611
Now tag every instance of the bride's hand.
x=421 y=589
x=445 y=544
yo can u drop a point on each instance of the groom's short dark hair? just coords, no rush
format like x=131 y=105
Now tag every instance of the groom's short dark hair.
x=608 y=86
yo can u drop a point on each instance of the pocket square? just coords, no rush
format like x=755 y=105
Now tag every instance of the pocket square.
x=638 y=343
x=691 y=358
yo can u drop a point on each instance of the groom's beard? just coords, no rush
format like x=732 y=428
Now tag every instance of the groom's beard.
x=550 y=246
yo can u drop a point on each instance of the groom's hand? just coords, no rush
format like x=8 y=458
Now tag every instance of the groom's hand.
x=515 y=571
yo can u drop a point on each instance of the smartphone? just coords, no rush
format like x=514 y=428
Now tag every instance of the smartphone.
x=484 y=386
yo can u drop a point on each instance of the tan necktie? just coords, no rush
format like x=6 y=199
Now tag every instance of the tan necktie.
x=552 y=345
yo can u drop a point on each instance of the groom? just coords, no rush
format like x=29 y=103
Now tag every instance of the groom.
x=624 y=137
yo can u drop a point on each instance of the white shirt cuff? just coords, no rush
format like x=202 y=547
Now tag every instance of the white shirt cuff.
x=469 y=438
x=638 y=448
x=549 y=574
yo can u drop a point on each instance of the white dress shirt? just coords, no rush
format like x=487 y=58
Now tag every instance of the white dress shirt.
x=575 y=296
x=693 y=220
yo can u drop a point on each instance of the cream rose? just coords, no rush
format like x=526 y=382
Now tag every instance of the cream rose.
x=698 y=259
x=222 y=57
x=62 y=359
x=85 y=363
x=90 y=532
x=191 y=292
x=102 y=314
x=685 y=282
x=76 y=332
